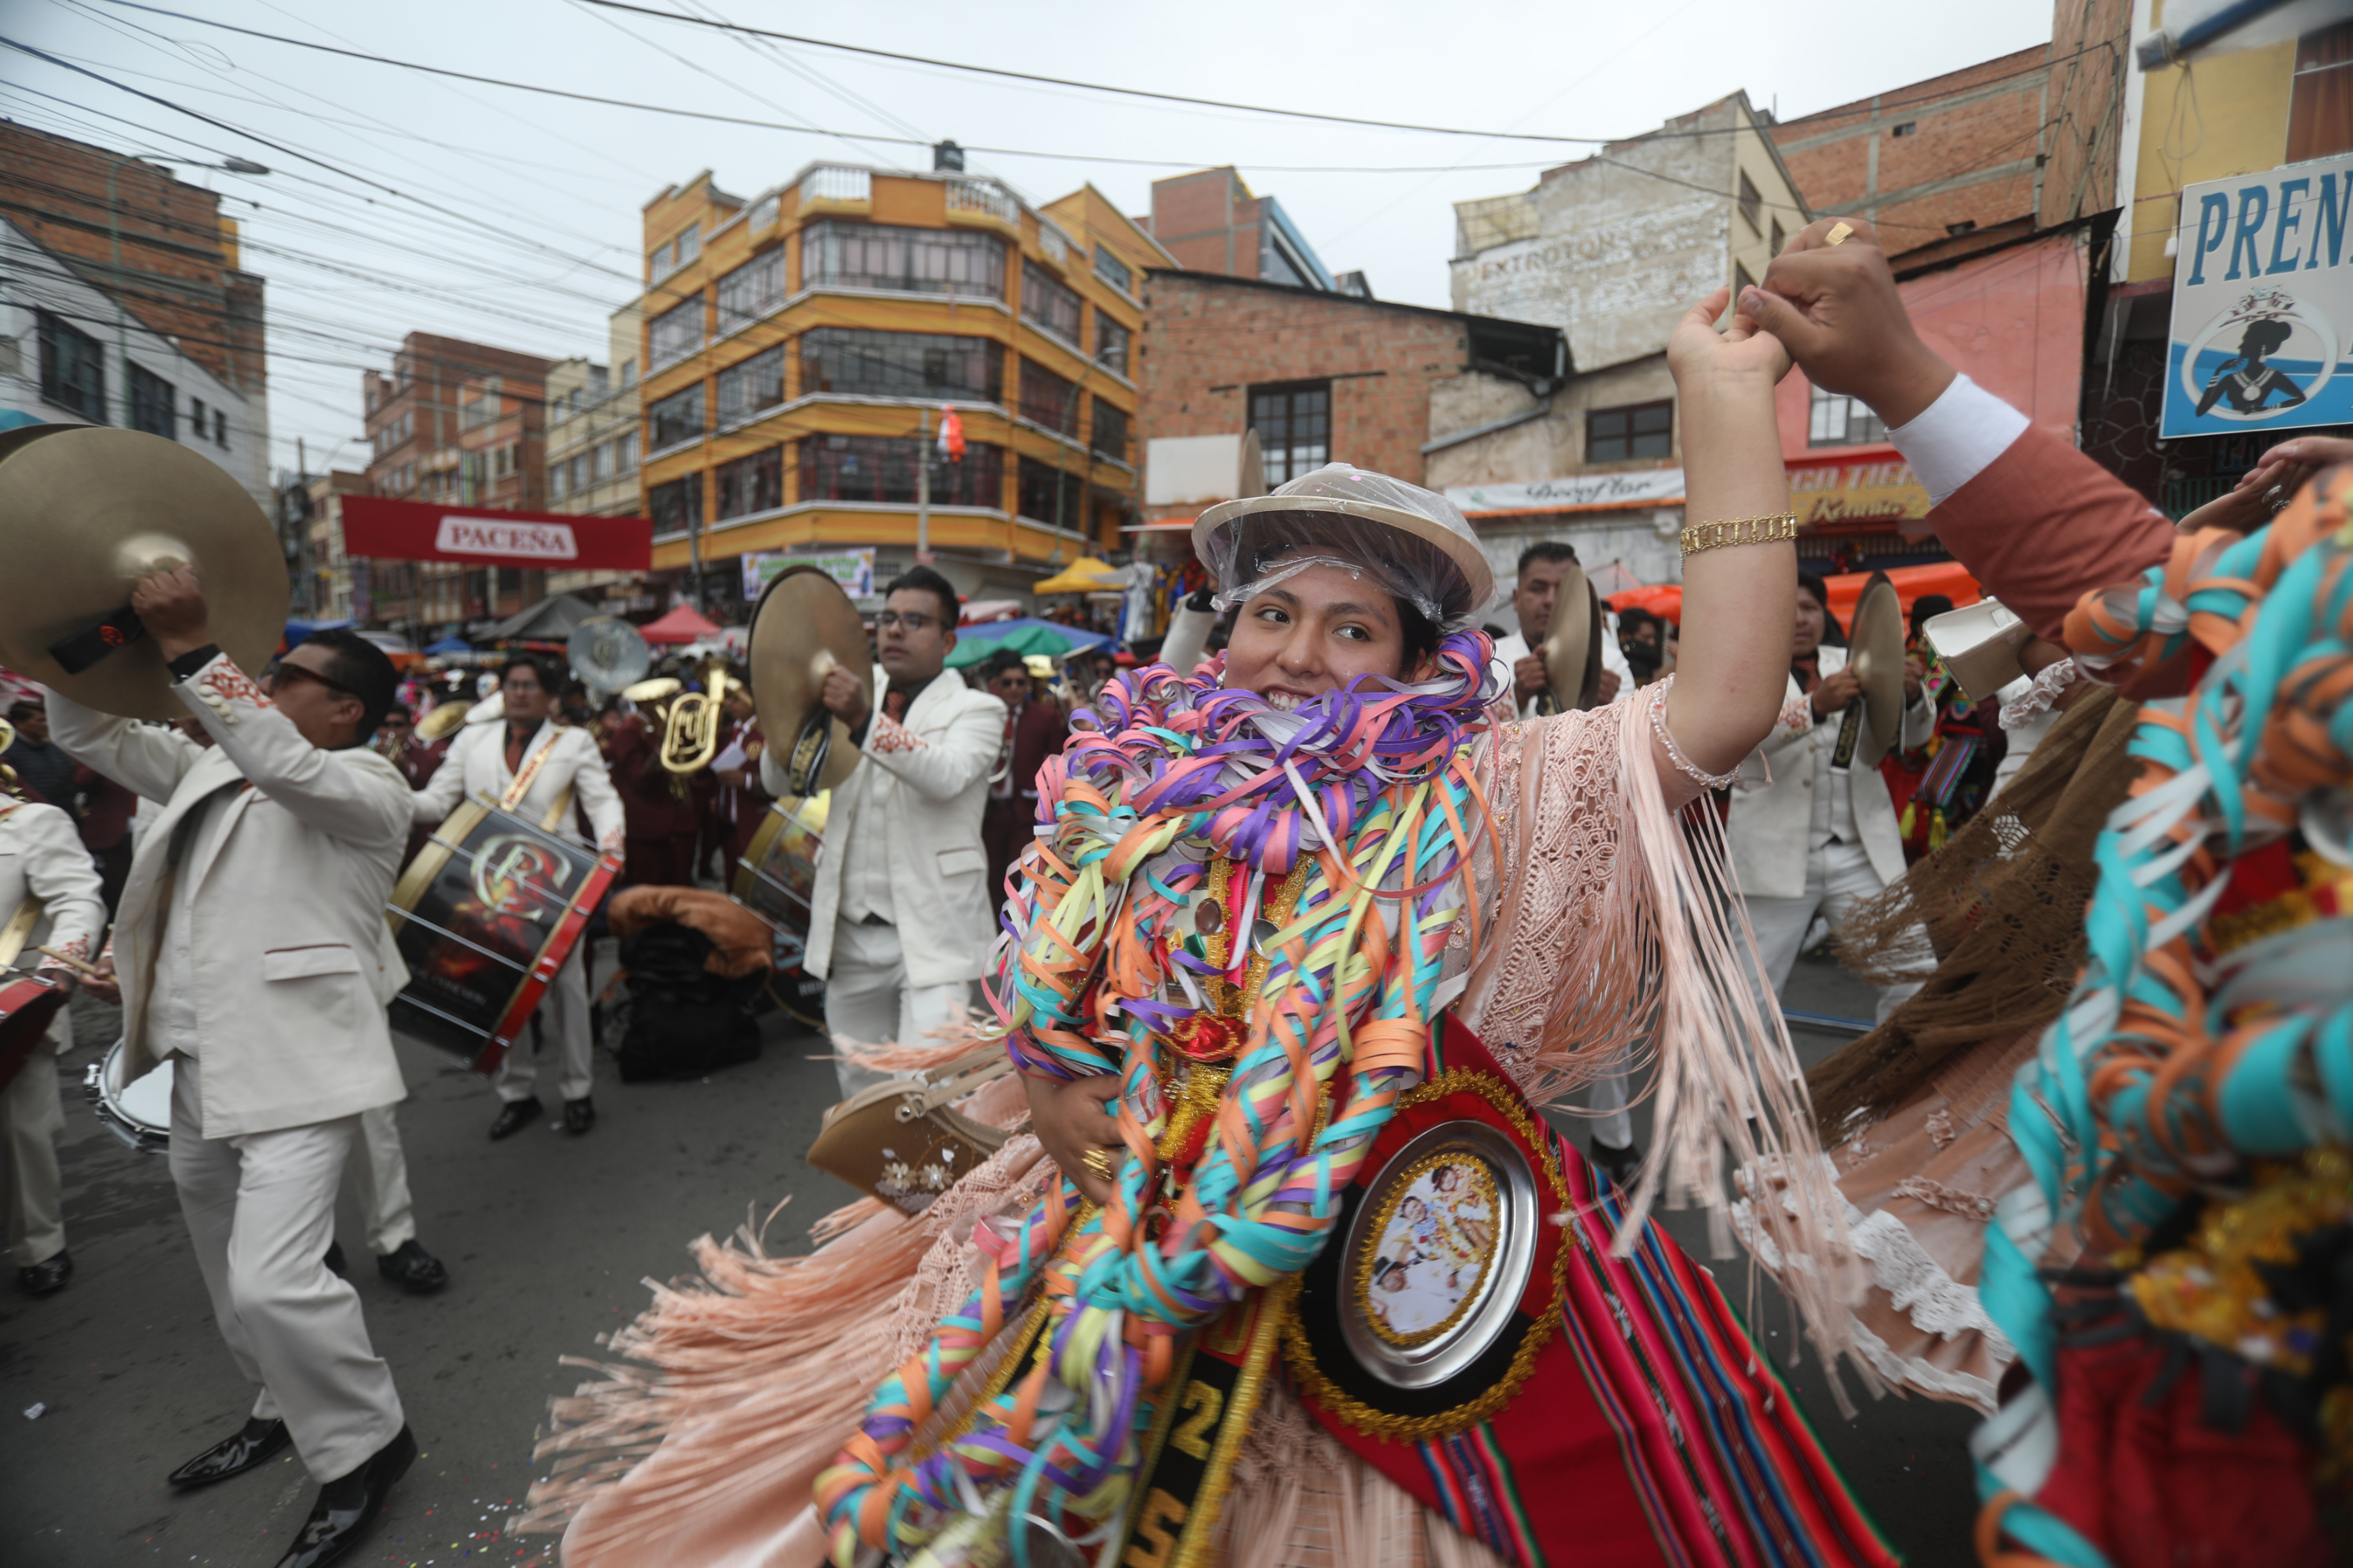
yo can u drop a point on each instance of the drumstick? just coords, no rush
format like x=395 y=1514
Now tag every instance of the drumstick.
x=90 y=970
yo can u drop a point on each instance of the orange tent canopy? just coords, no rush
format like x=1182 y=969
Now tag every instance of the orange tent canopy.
x=1950 y=578
x=683 y=625
x=1661 y=599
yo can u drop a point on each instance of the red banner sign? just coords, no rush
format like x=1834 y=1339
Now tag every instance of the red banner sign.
x=472 y=536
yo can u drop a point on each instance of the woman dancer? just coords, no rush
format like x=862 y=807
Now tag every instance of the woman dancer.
x=1295 y=932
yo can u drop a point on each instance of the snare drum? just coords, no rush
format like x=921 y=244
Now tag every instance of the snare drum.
x=139 y=1113
x=485 y=915
x=774 y=880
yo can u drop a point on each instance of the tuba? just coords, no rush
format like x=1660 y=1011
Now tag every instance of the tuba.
x=85 y=512
x=691 y=726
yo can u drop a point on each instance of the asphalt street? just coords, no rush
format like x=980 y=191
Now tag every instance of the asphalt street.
x=548 y=1238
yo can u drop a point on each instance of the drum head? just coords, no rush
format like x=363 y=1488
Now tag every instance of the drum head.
x=146 y=1103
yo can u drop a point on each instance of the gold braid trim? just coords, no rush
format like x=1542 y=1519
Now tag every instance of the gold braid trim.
x=1394 y=1428
x=1279 y=1303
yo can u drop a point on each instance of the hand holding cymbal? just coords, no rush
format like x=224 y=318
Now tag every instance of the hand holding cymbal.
x=170 y=604
x=844 y=696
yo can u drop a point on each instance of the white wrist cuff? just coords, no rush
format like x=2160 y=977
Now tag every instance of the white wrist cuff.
x=1957 y=437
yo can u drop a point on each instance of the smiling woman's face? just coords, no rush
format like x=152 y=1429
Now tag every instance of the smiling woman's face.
x=1315 y=631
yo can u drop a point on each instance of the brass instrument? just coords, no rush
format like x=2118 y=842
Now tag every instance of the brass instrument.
x=691 y=726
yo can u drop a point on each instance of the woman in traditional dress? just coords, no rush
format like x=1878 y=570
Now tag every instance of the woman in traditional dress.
x=1298 y=930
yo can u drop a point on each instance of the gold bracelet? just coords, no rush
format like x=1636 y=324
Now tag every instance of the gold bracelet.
x=1739 y=530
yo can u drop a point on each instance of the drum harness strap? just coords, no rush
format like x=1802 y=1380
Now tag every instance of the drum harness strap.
x=528 y=774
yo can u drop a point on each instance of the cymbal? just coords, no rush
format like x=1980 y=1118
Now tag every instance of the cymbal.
x=443 y=721
x=1572 y=646
x=1875 y=654
x=654 y=690
x=805 y=627
x=84 y=513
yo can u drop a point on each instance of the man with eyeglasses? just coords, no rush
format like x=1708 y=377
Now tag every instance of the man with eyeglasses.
x=255 y=958
x=900 y=920
x=563 y=768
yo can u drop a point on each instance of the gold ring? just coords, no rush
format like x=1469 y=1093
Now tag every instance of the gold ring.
x=1840 y=233
x=1098 y=1161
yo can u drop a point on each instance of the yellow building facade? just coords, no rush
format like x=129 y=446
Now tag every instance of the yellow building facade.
x=802 y=347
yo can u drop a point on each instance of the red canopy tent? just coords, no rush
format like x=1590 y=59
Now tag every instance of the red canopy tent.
x=683 y=625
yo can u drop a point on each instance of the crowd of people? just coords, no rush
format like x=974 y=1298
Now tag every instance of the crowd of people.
x=1245 y=967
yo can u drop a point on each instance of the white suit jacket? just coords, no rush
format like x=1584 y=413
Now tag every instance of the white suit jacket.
x=1771 y=822
x=476 y=765
x=41 y=856
x=292 y=961
x=931 y=773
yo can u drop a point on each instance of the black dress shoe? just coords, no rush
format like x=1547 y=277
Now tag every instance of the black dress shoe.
x=1623 y=1166
x=234 y=1457
x=513 y=1116
x=335 y=1260
x=348 y=1505
x=413 y=1268
x=51 y=1273
x=579 y=1115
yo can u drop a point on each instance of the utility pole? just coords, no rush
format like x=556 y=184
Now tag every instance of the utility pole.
x=923 y=492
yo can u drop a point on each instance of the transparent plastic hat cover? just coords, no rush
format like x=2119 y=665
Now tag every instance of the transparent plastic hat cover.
x=1259 y=549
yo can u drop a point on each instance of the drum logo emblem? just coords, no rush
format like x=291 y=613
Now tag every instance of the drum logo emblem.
x=514 y=876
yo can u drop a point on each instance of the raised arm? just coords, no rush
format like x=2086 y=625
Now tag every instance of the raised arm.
x=1739 y=599
x=142 y=758
x=352 y=794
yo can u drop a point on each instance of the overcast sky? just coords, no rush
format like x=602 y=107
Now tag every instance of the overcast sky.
x=516 y=220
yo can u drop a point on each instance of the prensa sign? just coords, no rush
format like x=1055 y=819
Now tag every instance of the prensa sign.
x=375 y=526
x=2263 y=302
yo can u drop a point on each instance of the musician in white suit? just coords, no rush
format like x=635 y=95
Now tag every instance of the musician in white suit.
x=900 y=919
x=44 y=872
x=254 y=955
x=539 y=769
x=1808 y=836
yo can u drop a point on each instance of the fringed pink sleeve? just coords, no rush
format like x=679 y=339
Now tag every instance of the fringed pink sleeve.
x=1620 y=945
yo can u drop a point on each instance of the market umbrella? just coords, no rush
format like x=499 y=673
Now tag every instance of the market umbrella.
x=1084 y=576
x=450 y=645
x=550 y=620
x=1024 y=637
x=683 y=625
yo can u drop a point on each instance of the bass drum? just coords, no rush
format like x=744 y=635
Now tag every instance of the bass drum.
x=139 y=1114
x=484 y=916
x=774 y=880
x=30 y=1005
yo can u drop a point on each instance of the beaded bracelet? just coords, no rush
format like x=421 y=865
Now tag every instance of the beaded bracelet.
x=1701 y=536
x=1683 y=764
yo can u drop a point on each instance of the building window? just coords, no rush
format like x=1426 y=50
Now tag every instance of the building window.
x=559 y=476
x=628 y=373
x=1294 y=428
x=676 y=507
x=882 y=468
x=220 y=428
x=758 y=383
x=674 y=334
x=1740 y=279
x=1114 y=271
x=1909 y=128
x=73 y=370
x=1750 y=203
x=1636 y=430
x=1111 y=344
x=686 y=247
x=1053 y=495
x=156 y=405
x=479 y=408
x=751 y=290
x=1049 y=399
x=196 y=419
x=910 y=260
x=678 y=417
x=929 y=365
x=1109 y=436
x=1833 y=419
x=2320 y=111
x=752 y=484
x=1780 y=237
x=591 y=468
x=625 y=453
x=1048 y=303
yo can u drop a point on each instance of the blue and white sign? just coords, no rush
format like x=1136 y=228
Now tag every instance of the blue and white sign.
x=2263 y=303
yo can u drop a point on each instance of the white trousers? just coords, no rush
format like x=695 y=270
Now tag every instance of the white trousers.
x=380 y=1181
x=260 y=1209
x=31 y=1190
x=563 y=1019
x=868 y=999
x=1839 y=876
x=1606 y=1097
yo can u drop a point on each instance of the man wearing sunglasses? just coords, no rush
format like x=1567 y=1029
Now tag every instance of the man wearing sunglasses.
x=254 y=956
x=899 y=919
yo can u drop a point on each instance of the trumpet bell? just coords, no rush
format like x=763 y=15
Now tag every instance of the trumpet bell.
x=85 y=512
x=806 y=626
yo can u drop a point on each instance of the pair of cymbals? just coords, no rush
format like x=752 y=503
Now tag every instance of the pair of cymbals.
x=1875 y=654
x=804 y=628
x=1572 y=645
x=85 y=512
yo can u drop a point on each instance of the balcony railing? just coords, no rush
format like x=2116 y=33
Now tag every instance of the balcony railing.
x=983 y=196
x=834 y=183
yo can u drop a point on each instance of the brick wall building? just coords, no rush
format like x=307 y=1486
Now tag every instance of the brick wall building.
x=1211 y=223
